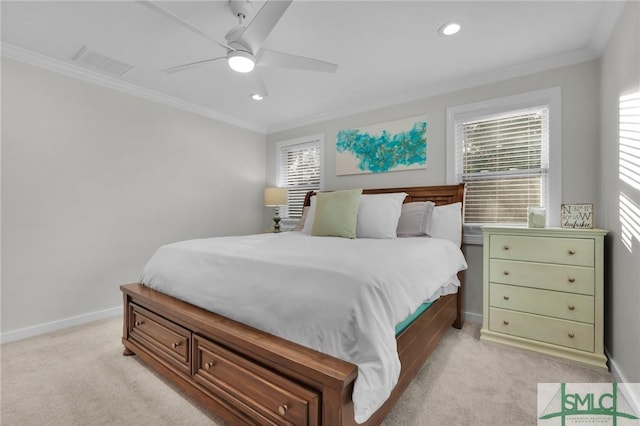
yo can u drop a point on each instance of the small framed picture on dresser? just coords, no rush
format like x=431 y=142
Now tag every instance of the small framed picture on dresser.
x=576 y=216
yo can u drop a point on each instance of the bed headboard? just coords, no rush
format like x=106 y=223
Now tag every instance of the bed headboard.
x=441 y=194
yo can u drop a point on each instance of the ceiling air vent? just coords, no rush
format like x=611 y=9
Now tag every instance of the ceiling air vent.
x=95 y=60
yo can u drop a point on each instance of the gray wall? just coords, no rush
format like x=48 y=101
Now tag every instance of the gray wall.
x=580 y=145
x=620 y=76
x=94 y=180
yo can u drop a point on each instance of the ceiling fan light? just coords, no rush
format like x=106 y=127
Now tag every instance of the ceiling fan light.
x=449 y=29
x=241 y=61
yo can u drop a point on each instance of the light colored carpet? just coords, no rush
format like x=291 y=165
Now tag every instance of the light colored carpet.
x=78 y=376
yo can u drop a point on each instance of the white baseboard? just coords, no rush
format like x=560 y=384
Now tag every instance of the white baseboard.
x=36 y=330
x=633 y=392
x=473 y=317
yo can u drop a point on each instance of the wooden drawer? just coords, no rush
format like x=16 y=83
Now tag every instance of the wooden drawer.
x=272 y=399
x=565 y=251
x=153 y=331
x=570 y=306
x=570 y=279
x=550 y=330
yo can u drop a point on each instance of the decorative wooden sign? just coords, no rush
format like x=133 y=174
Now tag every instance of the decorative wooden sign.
x=576 y=216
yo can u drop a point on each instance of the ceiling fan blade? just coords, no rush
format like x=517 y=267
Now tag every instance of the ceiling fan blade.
x=190 y=65
x=263 y=23
x=273 y=58
x=178 y=20
x=256 y=82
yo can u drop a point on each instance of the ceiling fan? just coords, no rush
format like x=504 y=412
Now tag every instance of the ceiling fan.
x=244 y=42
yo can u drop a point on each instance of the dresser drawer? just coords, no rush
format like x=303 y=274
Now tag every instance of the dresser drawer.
x=272 y=398
x=571 y=279
x=153 y=331
x=550 y=330
x=566 y=251
x=570 y=306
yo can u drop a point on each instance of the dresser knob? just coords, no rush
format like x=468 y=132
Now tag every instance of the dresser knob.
x=572 y=280
x=506 y=272
x=505 y=247
x=208 y=365
x=175 y=345
x=505 y=322
x=572 y=252
x=571 y=307
x=139 y=323
x=505 y=297
x=572 y=335
x=283 y=409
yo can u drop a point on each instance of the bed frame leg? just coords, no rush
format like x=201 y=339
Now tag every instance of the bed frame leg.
x=460 y=305
x=458 y=323
x=127 y=352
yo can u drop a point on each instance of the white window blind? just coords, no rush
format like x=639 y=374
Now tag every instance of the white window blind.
x=504 y=161
x=299 y=172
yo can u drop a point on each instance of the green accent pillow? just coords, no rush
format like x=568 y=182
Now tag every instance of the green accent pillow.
x=337 y=213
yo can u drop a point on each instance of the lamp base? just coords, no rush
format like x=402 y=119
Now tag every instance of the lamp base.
x=276 y=220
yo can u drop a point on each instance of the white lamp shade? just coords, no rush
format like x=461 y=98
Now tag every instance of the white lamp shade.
x=275 y=196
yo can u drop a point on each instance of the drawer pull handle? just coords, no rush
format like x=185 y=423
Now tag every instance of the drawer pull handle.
x=175 y=344
x=505 y=322
x=571 y=307
x=572 y=335
x=208 y=365
x=505 y=297
x=572 y=252
x=506 y=272
x=139 y=323
x=283 y=409
x=505 y=247
x=572 y=280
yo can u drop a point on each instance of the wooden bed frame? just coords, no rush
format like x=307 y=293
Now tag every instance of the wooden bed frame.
x=247 y=376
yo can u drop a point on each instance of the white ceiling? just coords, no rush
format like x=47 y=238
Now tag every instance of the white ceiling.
x=388 y=52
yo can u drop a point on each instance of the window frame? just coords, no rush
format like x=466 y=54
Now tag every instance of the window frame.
x=552 y=99
x=317 y=138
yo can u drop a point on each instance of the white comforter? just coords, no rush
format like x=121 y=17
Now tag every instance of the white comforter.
x=339 y=296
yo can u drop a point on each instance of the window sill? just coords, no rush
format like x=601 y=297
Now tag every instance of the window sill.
x=472 y=240
x=472 y=235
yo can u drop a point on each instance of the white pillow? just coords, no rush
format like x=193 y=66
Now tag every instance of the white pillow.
x=415 y=219
x=311 y=216
x=378 y=215
x=446 y=222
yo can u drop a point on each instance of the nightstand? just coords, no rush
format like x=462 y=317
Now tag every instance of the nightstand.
x=543 y=291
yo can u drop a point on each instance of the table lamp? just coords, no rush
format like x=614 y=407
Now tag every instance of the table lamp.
x=275 y=197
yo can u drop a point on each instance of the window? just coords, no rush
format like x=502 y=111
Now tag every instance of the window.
x=507 y=153
x=298 y=168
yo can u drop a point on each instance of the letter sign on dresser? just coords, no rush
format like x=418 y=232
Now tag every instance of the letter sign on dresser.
x=543 y=291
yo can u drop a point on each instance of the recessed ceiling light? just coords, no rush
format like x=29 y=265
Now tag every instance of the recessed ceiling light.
x=257 y=97
x=449 y=29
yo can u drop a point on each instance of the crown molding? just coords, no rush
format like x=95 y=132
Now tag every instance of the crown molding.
x=500 y=74
x=470 y=81
x=13 y=52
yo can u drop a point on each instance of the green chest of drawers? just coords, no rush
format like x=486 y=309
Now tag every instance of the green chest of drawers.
x=543 y=291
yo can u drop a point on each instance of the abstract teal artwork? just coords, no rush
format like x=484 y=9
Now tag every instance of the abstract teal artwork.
x=392 y=146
